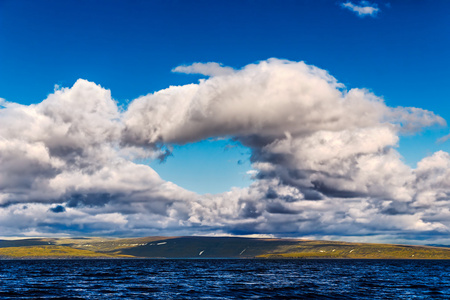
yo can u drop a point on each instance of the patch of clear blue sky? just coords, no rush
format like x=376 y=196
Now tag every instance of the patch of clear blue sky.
x=208 y=166
x=130 y=47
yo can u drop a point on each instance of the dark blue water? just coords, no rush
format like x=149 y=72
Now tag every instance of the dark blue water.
x=224 y=279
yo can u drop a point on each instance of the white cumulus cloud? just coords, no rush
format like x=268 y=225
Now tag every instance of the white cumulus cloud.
x=364 y=8
x=208 y=69
x=324 y=160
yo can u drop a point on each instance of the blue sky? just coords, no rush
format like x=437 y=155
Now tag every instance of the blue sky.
x=399 y=53
x=130 y=47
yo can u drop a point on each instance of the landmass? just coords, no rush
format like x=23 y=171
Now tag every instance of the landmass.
x=209 y=247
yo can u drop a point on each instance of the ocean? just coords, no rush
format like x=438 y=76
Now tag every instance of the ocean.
x=224 y=279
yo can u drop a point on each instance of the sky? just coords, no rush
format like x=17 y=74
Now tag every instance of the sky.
x=319 y=119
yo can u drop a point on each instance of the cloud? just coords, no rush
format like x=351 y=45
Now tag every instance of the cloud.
x=66 y=150
x=364 y=8
x=207 y=69
x=261 y=103
x=313 y=144
x=444 y=139
x=324 y=161
x=261 y=99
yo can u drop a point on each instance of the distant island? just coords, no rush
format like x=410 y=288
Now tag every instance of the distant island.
x=209 y=247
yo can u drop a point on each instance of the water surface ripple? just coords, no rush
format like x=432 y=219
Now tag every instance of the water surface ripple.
x=224 y=279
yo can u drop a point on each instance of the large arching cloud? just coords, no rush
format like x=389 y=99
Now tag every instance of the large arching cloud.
x=264 y=100
x=324 y=159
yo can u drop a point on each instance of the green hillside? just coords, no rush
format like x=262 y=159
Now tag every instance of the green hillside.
x=50 y=252
x=210 y=247
x=324 y=249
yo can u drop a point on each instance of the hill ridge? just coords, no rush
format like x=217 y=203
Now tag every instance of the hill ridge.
x=211 y=247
